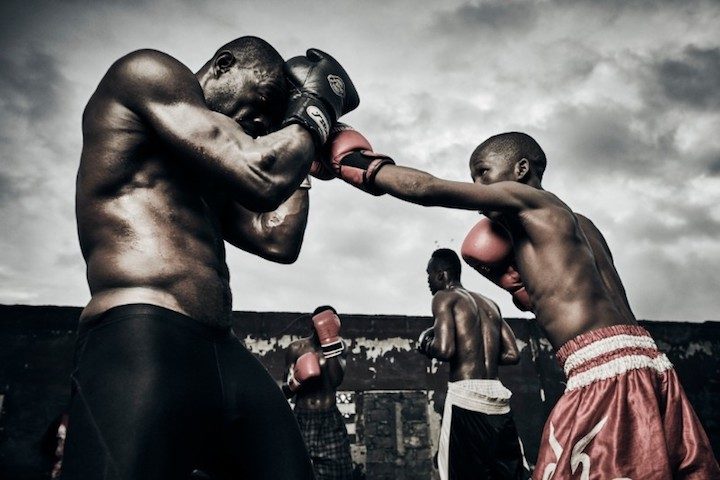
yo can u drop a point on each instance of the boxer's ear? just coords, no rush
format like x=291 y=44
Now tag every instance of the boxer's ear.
x=522 y=169
x=223 y=62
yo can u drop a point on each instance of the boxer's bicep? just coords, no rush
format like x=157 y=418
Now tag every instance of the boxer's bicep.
x=443 y=346
x=335 y=367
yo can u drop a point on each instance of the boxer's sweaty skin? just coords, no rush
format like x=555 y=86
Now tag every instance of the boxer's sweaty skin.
x=316 y=393
x=470 y=333
x=562 y=258
x=164 y=179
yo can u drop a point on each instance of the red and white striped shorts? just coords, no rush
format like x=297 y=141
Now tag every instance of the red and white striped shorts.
x=624 y=414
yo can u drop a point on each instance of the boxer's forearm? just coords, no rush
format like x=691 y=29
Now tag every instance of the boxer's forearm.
x=335 y=368
x=406 y=184
x=282 y=163
x=425 y=189
x=276 y=236
x=442 y=348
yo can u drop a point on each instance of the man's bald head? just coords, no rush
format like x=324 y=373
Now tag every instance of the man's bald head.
x=253 y=52
x=513 y=147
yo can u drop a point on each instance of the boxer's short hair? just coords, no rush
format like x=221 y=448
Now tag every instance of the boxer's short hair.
x=516 y=146
x=447 y=260
x=251 y=50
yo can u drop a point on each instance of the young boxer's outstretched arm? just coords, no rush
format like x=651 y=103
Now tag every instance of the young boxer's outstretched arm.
x=260 y=173
x=425 y=189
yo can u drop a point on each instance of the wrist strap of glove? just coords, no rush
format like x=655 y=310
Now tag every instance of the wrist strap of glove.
x=333 y=349
x=369 y=164
x=312 y=114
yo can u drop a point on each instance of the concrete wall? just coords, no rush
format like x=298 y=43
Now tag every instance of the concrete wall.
x=391 y=396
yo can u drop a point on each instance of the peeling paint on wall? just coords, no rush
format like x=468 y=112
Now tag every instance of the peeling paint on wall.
x=697 y=347
x=375 y=348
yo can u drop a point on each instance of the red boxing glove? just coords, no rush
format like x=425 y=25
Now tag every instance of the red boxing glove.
x=327 y=326
x=351 y=157
x=306 y=367
x=488 y=249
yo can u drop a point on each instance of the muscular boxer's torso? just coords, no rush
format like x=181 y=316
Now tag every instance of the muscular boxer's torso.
x=316 y=393
x=146 y=232
x=477 y=337
x=567 y=270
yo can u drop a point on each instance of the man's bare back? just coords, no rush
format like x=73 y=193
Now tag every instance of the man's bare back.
x=469 y=332
x=478 y=435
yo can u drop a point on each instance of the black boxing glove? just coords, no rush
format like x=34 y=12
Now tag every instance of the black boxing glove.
x=424 y=341
x=321 y=91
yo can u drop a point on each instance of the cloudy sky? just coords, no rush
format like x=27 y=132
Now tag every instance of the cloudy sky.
x=625 y=100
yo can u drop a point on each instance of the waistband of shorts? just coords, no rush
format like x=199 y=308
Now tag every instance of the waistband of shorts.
x=135 y=310
x=480 y=395
x=608 y=352
x=312 y=412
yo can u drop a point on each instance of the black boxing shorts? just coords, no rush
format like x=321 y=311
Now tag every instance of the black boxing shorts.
x=478 y=438
x=157 y=395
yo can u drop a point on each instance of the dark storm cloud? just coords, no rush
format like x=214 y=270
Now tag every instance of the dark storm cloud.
x=495 y=15
x=616 y=7
x=602 y=138
x=7 y=187
x=692 y=78
x=714 y=165
x=30 y=85
x=687 y=222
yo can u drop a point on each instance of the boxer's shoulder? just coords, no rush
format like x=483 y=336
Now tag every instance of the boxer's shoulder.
x=150 y=75
x=446 y=299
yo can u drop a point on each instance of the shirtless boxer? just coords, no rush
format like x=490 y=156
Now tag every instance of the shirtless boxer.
x=315 y=367
x=478 y=438
x=173 y=164
x=624 y=413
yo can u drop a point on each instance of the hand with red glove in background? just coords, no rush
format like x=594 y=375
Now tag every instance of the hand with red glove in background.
x=327 y=326
x=307 y=366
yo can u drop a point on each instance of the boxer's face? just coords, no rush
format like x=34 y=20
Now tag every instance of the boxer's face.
x=435 y=282
x=250 y=96
x=491 y=167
